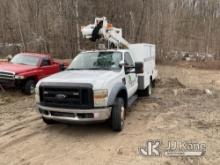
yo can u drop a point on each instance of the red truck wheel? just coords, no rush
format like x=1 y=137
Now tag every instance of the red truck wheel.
x=29 y=87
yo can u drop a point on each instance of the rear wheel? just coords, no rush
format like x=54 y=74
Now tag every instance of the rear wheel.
x=149 y=89
x=29 y=87
x=118 y=115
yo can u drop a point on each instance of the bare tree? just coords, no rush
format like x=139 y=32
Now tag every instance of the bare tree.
x=54 y=25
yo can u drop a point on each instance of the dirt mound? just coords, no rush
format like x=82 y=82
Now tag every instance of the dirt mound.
x=169 y=83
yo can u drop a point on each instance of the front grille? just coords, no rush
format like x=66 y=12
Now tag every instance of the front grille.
x=7 y=75
x=67 y=96
x=7 y=82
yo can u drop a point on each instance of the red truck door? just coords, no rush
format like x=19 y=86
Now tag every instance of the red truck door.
x=48 y=68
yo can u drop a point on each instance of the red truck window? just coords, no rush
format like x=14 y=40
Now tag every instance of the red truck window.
x=45 y=62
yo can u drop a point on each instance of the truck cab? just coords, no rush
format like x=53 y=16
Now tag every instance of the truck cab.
x=97 y=86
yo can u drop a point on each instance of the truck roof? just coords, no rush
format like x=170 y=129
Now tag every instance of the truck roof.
x=37 y=54
x=107 y=50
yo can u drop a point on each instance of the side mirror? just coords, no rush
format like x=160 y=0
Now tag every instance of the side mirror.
x=9 y=58
x=62 y=67
x=139 y=67
x=121 y=63
x=129 y=69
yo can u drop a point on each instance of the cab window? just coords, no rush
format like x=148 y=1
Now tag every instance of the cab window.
x=45 y=62
x=128 y=60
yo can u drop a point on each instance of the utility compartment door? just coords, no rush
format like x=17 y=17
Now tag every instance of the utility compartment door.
x=130 y=75
x=144 y=53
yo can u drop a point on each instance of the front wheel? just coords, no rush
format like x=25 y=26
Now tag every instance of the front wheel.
x=118 y=115
x=29 y=87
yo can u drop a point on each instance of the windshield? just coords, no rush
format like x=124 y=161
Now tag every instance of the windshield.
x=25 y=60
x=96 y=61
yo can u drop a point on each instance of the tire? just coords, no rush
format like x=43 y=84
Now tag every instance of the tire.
x=149 y=89
x=29 y=87
x=48 y=121
x=118 y=115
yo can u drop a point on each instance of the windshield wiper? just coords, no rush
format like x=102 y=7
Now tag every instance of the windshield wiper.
x=98 y=69
x=22 y=63
x=74 y=69
x=89 y=69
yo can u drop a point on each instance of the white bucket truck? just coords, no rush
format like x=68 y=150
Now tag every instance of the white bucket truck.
x=98 y=85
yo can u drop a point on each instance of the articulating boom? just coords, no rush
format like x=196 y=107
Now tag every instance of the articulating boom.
x=101 y=29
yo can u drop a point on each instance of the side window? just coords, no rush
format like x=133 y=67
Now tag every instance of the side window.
x=45 y=62
x=128 y=59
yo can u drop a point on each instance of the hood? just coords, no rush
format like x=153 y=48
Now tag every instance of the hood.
x=16 y=68
x=96 y=78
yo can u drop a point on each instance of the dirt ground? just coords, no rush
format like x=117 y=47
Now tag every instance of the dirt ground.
x=181 y=109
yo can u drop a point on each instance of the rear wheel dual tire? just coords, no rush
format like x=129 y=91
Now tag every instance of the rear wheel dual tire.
x=118 y=115
x=149 y=89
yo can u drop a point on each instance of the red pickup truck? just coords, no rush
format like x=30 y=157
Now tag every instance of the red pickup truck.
x=25 y=69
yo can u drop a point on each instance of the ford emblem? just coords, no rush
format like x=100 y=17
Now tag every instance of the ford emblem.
x=60 y=96
x=75 y=93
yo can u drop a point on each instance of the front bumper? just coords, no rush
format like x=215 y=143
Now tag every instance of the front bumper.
x=13 y=83
x=75 y=115
x=7 y=83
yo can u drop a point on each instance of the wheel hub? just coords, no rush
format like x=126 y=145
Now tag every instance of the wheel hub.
x=32 y=89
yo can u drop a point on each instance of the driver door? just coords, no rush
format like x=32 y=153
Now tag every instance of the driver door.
x=47 y=68
x=130 y=75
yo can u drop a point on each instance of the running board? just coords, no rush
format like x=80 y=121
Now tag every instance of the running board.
x=132 y=100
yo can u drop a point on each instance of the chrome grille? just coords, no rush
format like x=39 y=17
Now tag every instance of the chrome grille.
x=7 y=75
x=71 y=96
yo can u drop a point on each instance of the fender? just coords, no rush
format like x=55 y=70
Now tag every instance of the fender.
x=115 y=91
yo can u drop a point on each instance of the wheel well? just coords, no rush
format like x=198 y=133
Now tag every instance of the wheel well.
x=31 y=78
x=123 y=94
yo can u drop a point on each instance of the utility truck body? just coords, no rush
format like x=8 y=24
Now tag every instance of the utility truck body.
x=146 y=55
x=98 y=85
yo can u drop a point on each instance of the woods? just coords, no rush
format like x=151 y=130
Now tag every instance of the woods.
x=53 y=26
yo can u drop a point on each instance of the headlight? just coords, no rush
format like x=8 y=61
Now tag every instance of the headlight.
x=37 y=95
x=100 y=98
x=19 y=77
